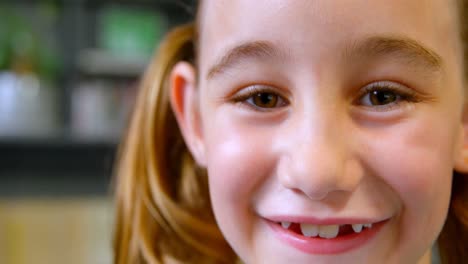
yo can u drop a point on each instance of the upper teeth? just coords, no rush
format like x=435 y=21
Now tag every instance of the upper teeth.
x=285 y=224
x=357 y=228
x=329 y=231
x=309 y=230
x=324 y=231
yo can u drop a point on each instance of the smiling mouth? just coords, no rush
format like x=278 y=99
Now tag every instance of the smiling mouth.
x=329 y=236
x=325 y=231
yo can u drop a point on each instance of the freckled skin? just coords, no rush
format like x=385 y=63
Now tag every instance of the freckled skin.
x=323 y=155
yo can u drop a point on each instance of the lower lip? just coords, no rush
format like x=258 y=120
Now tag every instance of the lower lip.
x=323 y=246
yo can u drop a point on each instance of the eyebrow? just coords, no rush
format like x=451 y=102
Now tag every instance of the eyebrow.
x=403 y=48
x=258 y=50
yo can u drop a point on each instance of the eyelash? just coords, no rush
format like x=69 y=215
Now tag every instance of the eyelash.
x=248 y=93
x=403 y=95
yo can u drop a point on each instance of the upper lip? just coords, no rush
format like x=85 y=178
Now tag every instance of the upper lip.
x=324 y=221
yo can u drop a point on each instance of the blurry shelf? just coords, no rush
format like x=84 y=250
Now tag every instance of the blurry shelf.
x=62 y=164
x=96 y=62
x=55 y=166
x=54 y=142
x=55 y=155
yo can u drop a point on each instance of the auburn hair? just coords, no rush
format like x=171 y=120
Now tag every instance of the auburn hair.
x=163 y=210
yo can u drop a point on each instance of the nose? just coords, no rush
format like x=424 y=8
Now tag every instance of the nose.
x=319 y=159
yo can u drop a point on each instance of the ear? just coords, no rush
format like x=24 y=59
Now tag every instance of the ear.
x=184 y=103
x=461 y=159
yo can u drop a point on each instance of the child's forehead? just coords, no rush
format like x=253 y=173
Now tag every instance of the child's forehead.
x=303 y=23
x=224 y=10
x=230 y=16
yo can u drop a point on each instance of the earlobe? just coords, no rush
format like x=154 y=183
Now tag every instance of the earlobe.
x=184 y=103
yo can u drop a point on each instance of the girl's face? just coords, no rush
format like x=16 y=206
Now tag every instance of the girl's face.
x=315 y=116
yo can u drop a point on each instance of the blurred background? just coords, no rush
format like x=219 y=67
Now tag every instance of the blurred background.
x=69 y=73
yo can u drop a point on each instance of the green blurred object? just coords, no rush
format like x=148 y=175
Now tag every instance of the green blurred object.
x=24 y=49
x=4 y=36
x=130 y=32
x=3 y=49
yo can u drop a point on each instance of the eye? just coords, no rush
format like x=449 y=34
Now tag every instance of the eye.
x=260 y=97
x=264 y=100
x=385 y=95
x=380 y=97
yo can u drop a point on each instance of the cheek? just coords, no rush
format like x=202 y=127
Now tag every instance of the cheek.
x=239 y=154
x=239 y=158
x=234 y=164
x=417 y=163
x=416 y=160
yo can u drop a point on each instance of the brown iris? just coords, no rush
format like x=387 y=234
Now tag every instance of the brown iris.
x=265 y=100
x=382 y=97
